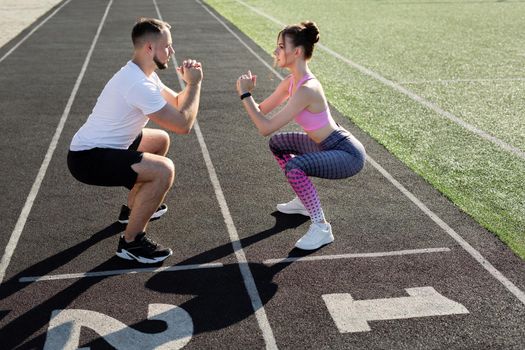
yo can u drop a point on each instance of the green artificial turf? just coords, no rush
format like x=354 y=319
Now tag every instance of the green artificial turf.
x=466 y=57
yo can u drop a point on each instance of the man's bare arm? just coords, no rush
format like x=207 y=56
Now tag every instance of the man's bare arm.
x=180 y=120
x=179 y=115
x=171 y=96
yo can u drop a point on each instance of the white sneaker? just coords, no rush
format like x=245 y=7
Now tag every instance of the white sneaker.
x=317 y=236
x=295 y=206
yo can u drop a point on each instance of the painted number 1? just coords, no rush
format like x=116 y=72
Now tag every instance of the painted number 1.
x=353 y=315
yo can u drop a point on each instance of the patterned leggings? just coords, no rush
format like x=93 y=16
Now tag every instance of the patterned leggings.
x=338 y=156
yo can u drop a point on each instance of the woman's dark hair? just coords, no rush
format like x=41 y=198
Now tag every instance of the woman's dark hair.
x=147 y=27
x=304 y=34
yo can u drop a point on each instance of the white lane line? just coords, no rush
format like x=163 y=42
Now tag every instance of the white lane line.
x=242 y=42
x=249 y=282
x=452 y=81
x=67 y=276
x=19 y=227
x=432 y=106
x=511 y=287
x=356 y=255
x=33 y=30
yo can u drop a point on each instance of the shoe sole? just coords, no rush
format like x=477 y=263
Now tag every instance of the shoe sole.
x=324 y=242
x=293 y=211
x=124 y=254
x=155 y=216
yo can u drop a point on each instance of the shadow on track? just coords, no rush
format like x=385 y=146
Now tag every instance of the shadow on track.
x=51 y=263
x=220 y=298
x=18 y=330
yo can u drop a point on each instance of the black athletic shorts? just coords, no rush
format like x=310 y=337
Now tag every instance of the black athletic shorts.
x=106 y=166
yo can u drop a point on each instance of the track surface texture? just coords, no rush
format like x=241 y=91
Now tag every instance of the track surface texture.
x=407 y=270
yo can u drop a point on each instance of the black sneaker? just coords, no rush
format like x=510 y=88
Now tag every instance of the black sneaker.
x=123 y=217
x=142 y=249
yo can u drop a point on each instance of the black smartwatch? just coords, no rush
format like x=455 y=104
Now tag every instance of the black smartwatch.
x=246 y=94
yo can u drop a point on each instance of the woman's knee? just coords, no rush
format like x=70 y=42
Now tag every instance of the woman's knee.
x=274 y=144
x=293 y=166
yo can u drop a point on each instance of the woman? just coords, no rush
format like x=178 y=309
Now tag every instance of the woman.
x=324 y=150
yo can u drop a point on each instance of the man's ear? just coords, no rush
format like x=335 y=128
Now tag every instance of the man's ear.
x=149 y=47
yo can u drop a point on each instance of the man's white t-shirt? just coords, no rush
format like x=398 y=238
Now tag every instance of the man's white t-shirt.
x=121 y=110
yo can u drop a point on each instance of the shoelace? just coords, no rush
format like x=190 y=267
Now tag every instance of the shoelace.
x=149 y=243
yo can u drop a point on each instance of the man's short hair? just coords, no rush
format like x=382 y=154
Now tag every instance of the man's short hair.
x=145 y=28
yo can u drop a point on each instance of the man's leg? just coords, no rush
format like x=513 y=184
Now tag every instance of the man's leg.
x=155 y=177
x=153 y=141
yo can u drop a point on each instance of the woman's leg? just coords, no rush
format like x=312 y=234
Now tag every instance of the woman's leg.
x=333 y=164
x=310 y=160
x=284 y=145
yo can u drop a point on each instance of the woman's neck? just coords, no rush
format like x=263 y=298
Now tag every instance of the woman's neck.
x=299 y=70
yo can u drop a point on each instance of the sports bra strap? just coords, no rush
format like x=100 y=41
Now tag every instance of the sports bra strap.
x=305 y=78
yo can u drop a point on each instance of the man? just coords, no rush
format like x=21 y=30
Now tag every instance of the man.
x=113 y=147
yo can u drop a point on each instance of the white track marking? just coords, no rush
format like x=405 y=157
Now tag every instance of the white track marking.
x=511 y=287
x=356 y=255
x=352 y=315
x=249 y=282
x=67 y=276
x=66 y=325
x=452 y=81
x=432 y=106
x=19 y=227
x=33 y=30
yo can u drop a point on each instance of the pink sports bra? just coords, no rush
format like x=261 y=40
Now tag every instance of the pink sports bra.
x=307 y=120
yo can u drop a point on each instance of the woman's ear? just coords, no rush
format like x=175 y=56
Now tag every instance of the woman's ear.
x=298 y=51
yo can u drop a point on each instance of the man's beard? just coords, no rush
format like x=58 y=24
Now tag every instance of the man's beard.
x=159 y=64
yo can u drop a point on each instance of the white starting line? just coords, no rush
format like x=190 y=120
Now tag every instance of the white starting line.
x=219 y=265
x=356 y=255
x=67 y=276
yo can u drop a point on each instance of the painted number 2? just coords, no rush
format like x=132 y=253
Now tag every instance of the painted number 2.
x=64 y=329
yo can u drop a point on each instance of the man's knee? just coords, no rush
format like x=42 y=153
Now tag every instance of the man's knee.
x=164 y=175
x=155 y=168
x=155 y=141
x=161 y=143
x=167 y=172
x=164 y=139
